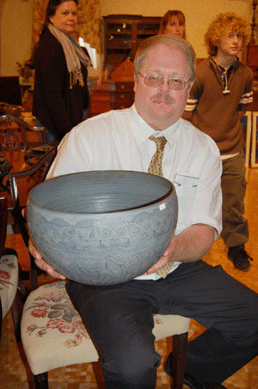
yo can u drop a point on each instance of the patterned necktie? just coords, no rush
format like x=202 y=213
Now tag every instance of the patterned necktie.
x=156 y=168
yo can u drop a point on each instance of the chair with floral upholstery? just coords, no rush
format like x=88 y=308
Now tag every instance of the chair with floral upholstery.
x=52 y=331
x=9 y=271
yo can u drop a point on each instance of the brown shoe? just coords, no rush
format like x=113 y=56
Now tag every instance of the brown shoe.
x=239 y=257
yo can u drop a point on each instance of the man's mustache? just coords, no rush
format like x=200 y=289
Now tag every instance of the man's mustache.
x=163 y=97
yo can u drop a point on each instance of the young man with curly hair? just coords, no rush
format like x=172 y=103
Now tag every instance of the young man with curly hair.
x=219 y=98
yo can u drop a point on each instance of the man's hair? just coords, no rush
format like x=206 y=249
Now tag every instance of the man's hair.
x=221 y=26
x=166 y=19
x=171 y=41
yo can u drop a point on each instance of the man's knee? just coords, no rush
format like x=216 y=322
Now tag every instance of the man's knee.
x=244 y=331
x=136 y=368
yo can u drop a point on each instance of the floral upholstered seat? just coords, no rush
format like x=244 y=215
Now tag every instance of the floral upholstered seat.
x=53 y=333
x=8 y=279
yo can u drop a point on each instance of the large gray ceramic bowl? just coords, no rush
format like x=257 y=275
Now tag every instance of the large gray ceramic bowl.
x=102 y=227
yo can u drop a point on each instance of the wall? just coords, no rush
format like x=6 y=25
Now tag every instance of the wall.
x=15 y=35
x=198 y=13
x=16 y=16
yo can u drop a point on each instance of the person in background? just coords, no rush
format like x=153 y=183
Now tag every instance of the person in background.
x=61 y=94
x=119 y=318
x=173 y=22
x=221 y=94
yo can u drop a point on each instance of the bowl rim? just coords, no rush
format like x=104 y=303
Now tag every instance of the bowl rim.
x=157 y=202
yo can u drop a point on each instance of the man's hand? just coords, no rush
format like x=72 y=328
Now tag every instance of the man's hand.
x=42 y=264
x=190 y=245
x=166 y=257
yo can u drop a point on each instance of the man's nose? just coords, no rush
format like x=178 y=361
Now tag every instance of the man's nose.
x=164 y=87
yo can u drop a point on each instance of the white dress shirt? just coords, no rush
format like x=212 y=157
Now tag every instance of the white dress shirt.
x=118 y=140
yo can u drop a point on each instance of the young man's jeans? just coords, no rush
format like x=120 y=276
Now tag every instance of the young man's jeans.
x=235 y=225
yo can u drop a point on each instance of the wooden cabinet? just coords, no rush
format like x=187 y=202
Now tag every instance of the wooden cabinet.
x=252 y=59
x=123 y=35
x=111 y=95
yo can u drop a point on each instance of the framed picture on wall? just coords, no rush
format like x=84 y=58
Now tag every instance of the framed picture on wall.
x=254 y=153
x=246 y=123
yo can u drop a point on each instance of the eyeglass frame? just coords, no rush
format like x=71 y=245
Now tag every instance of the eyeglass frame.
x=163 y=80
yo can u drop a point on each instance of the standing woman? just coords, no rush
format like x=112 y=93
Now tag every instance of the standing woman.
x=60 y=92
x=173 y=22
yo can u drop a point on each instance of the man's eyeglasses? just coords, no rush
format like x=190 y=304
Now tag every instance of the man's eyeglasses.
x=156 y=81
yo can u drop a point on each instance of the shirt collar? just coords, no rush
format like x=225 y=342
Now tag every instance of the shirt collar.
x=143 y=131
x=220 y=68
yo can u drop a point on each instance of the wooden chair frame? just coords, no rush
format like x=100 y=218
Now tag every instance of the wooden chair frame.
x=43 y=164
x=23 y=126
x=4 y=251
x=3 y=225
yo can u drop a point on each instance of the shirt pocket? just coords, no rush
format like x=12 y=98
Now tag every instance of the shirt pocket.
x=186 y=189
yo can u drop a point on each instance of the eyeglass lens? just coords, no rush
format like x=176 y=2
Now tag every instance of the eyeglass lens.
x=173 y=83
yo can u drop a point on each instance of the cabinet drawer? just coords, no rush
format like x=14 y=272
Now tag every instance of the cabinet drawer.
x=99 y=106
x=120 y=104
x=120 y=96
x=100 y=96
x=126 y=86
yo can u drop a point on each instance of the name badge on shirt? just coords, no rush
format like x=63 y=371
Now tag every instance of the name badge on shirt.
x=186 y=180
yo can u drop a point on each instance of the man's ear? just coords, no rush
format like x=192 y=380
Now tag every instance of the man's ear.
x=135 y=81
x=190 y=86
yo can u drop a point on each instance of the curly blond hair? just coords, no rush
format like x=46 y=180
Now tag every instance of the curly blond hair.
x=221 y=26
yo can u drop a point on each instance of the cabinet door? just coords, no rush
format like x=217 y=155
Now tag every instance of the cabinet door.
x=252 y=56
x=146 y=28
x=252 y=60
x=118 y=42
x=123 y=35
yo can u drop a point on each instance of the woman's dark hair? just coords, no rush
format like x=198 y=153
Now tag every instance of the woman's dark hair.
x=50 y=11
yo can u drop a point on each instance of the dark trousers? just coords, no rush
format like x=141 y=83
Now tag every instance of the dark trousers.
x=119 y=319
x=235 y=226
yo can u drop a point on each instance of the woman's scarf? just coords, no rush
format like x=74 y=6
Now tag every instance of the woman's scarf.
x=74 y=55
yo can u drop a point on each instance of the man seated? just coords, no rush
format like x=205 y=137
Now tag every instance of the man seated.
x=119 y=318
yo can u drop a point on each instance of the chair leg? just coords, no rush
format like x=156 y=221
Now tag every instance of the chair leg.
x=41 y=381
x=20 y=297
x=179 y=359
x=16 y=317
x=1 y=318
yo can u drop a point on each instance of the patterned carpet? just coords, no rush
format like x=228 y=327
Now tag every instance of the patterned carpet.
x=14 y=369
